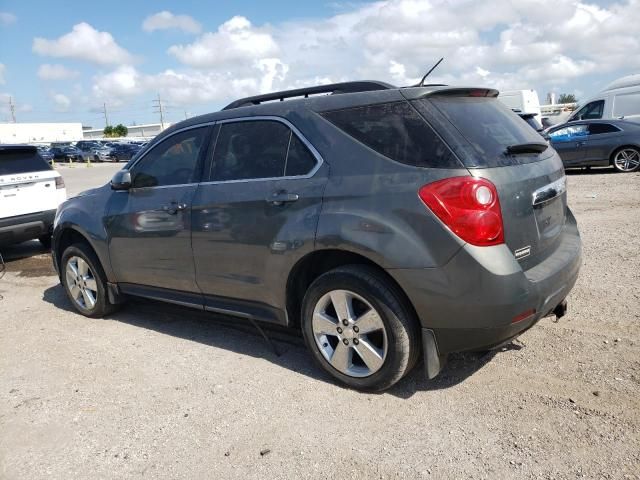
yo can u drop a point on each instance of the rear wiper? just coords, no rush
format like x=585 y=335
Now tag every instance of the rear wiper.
x=527 y=148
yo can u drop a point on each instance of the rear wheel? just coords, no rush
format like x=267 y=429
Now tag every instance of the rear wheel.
x=359 y=329
x=626 y=159
x=84 y=281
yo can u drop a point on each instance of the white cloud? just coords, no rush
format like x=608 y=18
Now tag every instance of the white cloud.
x=541 y=44
x=48 y=71
x=2 y=70
x=7 y=18
x=61 y=102
x=84 y=43
x=166 y=20
x=237 y=41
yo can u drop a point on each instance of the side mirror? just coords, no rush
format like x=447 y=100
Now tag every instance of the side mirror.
x=121 y=180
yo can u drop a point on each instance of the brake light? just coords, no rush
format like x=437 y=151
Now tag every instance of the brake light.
x=59 y=182
x=469 y=206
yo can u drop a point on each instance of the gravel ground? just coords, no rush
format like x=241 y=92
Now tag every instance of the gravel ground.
x=163 y=392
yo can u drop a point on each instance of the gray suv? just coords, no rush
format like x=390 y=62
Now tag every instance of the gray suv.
x=389 y=224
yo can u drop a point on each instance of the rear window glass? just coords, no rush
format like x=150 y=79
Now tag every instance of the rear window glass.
x=21 y=161
x=489 y=127
x=396 y=131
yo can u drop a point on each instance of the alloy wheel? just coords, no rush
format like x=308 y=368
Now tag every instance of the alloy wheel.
x=627 y=160
x=350 y=333
x=81 y=283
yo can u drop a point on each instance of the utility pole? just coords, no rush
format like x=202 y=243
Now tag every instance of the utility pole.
x=12 y=109
x=106 y=118
x=160 y=110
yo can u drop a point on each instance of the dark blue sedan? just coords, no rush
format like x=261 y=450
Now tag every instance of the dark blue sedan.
x=598 y=143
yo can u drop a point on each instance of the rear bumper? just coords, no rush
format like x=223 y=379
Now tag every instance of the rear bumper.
x=471 y=302
x=25 y=227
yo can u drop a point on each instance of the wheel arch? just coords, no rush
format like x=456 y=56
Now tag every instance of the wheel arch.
x=315 y=263
x=66 y=236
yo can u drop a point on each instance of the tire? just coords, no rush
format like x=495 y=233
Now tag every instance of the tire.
x=626 y=159
x=98 y=288
x=389 y=352
x=45 y=240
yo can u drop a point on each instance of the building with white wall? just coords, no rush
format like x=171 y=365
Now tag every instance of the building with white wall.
x=39 y=132
x=149 y=130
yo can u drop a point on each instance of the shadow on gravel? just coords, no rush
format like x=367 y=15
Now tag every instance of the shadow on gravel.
x=592 y=171
x=239 y=336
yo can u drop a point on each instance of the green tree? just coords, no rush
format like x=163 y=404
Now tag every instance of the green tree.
x=567 y=98
x=120 y=130
x=108 y=131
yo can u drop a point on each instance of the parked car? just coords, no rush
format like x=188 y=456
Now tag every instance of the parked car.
x=619 y=100
x=598 y=143
x=87 y=149
x=531 y=120
x=346 y=215
x=66 y=154
x=46 y=154
x=122 y=152
x=30 y=192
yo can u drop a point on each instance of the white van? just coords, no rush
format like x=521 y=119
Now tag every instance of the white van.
x=620 y=99
x=521 y=101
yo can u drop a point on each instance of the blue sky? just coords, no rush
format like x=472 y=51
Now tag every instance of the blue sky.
x=60 y=61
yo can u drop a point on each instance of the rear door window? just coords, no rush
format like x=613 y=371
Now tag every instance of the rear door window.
x=397 y=131
x=487 y=125
x=26 y=160
x=248 y=150
x=300 y=161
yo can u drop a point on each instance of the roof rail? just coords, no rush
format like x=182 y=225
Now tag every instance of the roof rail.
x=334 y=88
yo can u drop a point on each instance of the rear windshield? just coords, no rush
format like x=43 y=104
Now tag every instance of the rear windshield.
x=396 y=131
x=21 y=161
x=489 y=127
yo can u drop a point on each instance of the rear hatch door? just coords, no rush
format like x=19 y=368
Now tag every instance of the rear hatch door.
x=496 y=144
x=27 y=182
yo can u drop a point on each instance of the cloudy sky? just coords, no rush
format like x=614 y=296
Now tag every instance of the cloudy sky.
x=61 y=61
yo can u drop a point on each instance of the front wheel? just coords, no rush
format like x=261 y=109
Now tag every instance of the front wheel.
x=84 y=281
x=359 y=328
x=626 y=160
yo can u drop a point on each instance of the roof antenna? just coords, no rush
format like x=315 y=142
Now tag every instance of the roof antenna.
x=421 y=83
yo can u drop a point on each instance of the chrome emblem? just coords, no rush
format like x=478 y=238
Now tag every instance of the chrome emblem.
x=522 y=252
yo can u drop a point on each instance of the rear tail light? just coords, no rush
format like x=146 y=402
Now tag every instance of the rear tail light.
x=469 y=206
x=59 y=182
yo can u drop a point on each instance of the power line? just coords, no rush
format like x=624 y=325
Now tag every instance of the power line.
x=159 y=109
x=12 y=109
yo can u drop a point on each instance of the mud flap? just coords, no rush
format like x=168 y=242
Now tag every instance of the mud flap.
x=433 y=361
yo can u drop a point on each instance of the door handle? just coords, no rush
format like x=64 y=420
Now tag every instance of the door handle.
x=280 y=198
x=174 y=208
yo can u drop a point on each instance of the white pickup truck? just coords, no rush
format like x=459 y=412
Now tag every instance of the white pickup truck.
x=30 y=192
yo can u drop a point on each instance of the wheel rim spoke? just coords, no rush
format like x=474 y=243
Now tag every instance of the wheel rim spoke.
x=627 y=160
x=83 y=268
x=341 y=301
x=341 y=358
x=89 y=299
x=323 y=324
x=91 y=284
x=75 y=292
x=72 y=270
x=370 y=355
x=369 y=322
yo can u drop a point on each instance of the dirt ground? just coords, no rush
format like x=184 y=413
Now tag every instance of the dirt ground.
x=164 y=392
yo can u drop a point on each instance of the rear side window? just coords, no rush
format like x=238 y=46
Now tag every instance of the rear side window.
x=396 y=131
x=626 y=105
x=21 y=161
x=488 y=126
x=596 y=128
